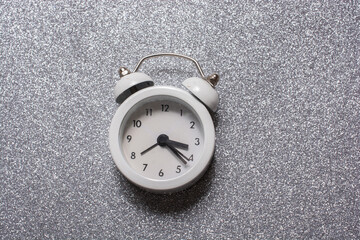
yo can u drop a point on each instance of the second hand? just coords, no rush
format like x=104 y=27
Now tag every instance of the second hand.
x=163 y=140
x=148 y=149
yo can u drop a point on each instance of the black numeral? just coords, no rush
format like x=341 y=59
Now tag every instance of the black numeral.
x=148 y=112
x=136 y=123
x=192 y=124
x=128 y=137
x=164 y=107
x=181 y=112
x=191 y=158
x=178 y=169
x=161 y=173
x=145 y=166
x=197 y=141
x=132 y=155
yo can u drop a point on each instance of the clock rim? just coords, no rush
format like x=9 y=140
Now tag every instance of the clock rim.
x=169 y=185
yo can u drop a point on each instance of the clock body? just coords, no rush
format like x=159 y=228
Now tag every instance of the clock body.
x=137 y=132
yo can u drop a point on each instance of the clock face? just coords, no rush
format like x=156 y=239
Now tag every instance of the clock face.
x=161 y=138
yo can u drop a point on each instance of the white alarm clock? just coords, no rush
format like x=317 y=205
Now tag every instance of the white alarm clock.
x=162 y=138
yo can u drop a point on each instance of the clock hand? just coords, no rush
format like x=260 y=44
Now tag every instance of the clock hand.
x=177 y=153
x=163 y=140
x=180 y=153
x=148 y=149
x=178 y=144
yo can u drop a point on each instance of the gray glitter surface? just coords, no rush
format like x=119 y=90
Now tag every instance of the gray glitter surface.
x=287 y=159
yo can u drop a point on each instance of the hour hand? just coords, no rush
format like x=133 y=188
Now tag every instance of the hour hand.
x=178 y=144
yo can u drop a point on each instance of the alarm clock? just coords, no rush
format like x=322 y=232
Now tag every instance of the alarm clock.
x=162 y=138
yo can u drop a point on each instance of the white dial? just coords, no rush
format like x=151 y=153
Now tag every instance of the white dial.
x=162 y=139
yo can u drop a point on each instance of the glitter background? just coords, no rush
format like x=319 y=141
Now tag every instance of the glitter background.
x=287 y=161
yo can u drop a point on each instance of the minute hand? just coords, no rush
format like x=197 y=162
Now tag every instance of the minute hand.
x=177 y=153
